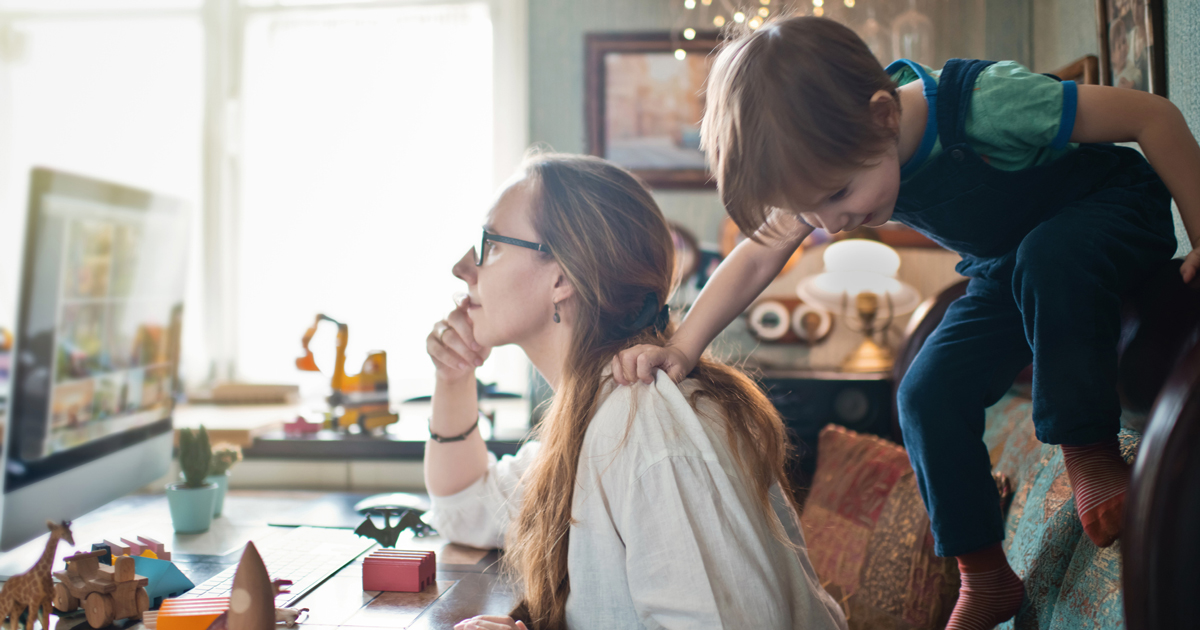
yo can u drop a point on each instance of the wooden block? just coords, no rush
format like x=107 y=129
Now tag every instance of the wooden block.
x=191 y=614
x=124 y=569
x=399 y=571
x=159 y=549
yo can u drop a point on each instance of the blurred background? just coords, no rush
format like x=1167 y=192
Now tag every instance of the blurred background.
x=339 y=156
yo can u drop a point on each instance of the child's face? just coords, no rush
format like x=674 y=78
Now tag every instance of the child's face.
x=865 y=196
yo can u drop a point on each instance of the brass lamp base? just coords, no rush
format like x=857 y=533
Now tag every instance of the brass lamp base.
x=869 y=357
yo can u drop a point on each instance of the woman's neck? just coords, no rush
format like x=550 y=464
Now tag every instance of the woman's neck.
x=548 y=352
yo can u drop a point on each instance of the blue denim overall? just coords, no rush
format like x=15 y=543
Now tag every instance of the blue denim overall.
x=1049 y=250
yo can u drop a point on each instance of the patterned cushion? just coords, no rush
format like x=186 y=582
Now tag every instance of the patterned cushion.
x=1069 y=582
x=868 y=536
x=869 y=540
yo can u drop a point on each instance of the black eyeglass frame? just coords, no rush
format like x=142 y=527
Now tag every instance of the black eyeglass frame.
x=481 y=255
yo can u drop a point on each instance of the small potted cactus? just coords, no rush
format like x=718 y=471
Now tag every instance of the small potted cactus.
x=192 y=500
x=223 y=458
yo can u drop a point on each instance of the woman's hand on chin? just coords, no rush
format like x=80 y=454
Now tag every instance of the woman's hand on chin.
x=452 y=346
x=489 y=622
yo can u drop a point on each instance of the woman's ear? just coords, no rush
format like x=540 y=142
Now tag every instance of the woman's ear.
x=563 y=289
x=885 y=110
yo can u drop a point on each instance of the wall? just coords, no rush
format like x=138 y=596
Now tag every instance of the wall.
x=1063 y=31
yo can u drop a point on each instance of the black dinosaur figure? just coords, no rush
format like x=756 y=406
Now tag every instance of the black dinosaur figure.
x=387 y=537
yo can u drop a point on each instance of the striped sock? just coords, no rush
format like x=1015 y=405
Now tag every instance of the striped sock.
x=991 y=592
x=1099 y=478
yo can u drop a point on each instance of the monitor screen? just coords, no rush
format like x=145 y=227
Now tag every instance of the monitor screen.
x=97 y=342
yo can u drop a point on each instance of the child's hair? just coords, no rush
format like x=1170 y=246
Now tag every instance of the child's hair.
x=606 y=232
x=789 y=104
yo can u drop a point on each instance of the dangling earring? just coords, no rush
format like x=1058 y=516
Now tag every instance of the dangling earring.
x=557 y=319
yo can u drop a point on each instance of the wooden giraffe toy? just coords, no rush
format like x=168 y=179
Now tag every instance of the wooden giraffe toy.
x=6 y=606
x=33 y=589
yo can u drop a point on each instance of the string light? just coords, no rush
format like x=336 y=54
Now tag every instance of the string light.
x=764 y=11
x=680 y=54
x=819 y=11
x=849 y=4
x=689 y=4
x=740 y=17
x=818 y=3
x=706 y=2
x=765 y=2
x=719 y=21
x=689 y=33
x=755 y=22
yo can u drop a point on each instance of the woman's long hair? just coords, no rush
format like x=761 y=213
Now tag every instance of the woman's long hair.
x=606 y=232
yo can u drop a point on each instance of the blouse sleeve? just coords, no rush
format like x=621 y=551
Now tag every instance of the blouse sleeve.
x=479 y=515
x=704 y=564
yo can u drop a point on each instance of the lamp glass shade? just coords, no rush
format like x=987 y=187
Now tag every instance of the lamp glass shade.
x=863 y=255
x=835 y=291
x=854 y=266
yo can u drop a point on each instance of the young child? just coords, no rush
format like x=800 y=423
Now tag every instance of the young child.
x=804 y=128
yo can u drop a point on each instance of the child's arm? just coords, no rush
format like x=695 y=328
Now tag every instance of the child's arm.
x=738 y=280
x=1109 y=114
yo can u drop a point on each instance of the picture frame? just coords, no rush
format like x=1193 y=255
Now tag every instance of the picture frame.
x=1132 y=49
x=644 y=102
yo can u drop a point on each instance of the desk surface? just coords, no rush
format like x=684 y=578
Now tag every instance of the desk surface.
x=469 y=581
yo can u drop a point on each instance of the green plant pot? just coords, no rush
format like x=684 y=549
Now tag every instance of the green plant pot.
x=222 y=481
x=191 y=508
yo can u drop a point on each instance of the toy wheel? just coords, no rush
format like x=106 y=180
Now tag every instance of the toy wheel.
x=143 y=601
x=99 y=609
x=64 y=601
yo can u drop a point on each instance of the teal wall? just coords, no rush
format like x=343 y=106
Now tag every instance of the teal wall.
x=1183 y=72
x=1063 y=31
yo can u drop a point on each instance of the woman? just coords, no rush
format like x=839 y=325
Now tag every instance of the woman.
x=652 y=506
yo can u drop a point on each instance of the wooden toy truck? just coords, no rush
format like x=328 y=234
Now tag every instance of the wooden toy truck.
x=107 y=592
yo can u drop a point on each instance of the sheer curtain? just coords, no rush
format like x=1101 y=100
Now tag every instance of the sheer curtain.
x=366 y=169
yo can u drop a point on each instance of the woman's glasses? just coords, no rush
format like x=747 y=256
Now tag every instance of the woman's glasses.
x=481 y=254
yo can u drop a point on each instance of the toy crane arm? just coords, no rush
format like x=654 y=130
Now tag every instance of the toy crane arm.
x=308 y=362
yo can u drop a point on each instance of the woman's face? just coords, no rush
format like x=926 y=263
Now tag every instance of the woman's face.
x=511 y=293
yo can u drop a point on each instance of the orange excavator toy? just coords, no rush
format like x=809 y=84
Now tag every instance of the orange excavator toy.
x=361 y=399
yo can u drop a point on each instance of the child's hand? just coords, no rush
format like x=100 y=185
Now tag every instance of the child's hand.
x=489 y=622
x=1190 y=266
x=638 y=364
x=452 y=345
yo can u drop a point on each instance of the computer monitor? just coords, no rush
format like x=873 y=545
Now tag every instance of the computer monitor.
x=94 y=365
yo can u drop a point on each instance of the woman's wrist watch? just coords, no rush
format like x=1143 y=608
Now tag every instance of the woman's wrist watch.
x=442 y=439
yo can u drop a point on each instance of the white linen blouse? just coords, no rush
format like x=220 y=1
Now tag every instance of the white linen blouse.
x=667 y=534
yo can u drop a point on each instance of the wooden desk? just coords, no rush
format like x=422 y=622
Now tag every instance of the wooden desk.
x=469 y=581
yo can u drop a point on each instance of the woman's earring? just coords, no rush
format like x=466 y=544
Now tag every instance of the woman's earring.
x=557 y=319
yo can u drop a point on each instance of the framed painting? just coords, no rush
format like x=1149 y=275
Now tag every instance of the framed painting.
x=1132 y=50
x=645 y=99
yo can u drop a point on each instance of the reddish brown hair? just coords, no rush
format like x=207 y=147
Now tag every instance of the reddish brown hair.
x=607 y=233
x=790 y=105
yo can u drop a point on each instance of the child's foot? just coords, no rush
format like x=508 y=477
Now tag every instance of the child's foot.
x=1099 y=479
x=990 y=594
